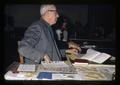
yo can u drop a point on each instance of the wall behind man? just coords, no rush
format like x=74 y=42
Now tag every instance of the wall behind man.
x=89 y=15
x=75 y=12
x=25 y=14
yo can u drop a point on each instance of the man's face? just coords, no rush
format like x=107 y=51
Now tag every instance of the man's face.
x=53 y=15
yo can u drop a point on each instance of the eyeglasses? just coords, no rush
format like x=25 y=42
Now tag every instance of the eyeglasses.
x=56 y=12
x=52 y=10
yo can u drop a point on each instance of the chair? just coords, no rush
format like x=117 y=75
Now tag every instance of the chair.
x=21 y=61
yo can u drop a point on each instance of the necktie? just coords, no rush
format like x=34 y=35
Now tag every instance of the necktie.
x=54 y=42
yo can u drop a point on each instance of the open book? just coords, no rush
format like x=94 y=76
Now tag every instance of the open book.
x=95 y=56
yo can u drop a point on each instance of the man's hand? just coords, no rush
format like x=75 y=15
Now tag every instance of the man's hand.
x=74 y=46
x=47 y=59
x=72 y=51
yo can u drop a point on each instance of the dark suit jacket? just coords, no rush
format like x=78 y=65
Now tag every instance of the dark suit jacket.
x=39 y=40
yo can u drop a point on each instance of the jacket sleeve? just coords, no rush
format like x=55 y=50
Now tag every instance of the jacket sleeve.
x=26 y=46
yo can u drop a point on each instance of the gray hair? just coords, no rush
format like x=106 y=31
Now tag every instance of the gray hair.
x=46 y=7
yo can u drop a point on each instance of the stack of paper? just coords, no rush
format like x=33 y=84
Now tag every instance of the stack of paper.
x=26 y=67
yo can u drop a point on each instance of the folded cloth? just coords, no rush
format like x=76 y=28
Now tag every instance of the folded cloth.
x=44 y=75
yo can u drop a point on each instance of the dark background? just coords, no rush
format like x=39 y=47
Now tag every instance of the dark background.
x=83 y=20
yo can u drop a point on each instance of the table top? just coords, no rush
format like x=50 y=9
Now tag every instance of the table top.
x=83 y=72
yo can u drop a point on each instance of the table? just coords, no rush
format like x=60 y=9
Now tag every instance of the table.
x=84 y=72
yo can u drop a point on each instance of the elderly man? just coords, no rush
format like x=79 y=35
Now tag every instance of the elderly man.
x=38 y=43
